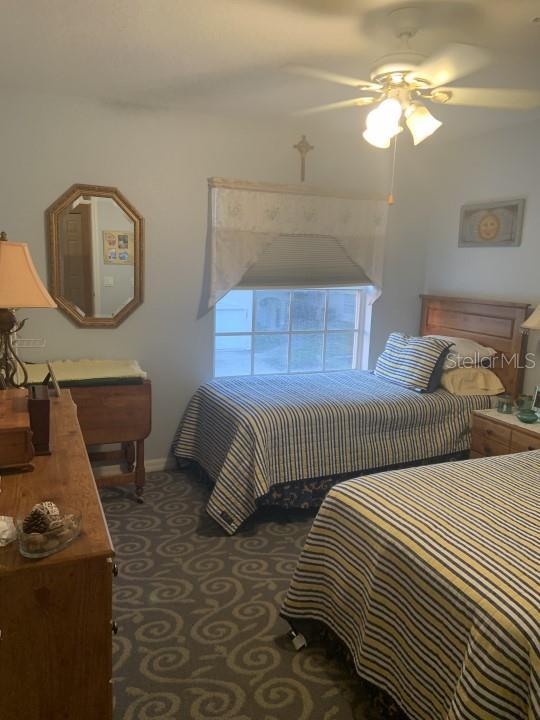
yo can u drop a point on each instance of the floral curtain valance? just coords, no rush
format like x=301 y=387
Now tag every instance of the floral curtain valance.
x=244 y=218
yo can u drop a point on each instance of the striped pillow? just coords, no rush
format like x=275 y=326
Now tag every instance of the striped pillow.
x=415 y=362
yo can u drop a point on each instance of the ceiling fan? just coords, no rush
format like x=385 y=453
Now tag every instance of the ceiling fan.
x=401 y=83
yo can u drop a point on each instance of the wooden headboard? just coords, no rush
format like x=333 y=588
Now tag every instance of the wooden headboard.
x=489 y=322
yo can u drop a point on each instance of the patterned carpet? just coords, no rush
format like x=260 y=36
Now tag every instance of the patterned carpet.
x=199 y=632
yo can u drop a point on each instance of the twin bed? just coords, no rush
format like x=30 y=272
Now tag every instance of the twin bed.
x=286 y=439
x=428 y=575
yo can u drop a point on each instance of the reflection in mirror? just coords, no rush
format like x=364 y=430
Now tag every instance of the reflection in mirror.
x=96 y=255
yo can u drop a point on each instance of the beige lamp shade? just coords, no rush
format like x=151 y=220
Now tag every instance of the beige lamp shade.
x=20 y=286
x=533 y=321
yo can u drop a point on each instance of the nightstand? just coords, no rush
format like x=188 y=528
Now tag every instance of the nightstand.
x=494 y=433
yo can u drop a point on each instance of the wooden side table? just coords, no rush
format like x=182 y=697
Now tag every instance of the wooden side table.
x=117 y=414
x=494 y=433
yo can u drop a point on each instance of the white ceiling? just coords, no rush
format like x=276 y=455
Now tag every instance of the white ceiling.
x=225 y=55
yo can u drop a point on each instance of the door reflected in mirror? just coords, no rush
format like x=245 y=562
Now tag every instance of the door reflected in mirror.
x=96 y=255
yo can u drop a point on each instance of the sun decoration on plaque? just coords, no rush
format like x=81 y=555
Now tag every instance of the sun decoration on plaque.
x=488 y=227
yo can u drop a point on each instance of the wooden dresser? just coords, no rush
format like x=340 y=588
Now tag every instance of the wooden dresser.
x=55 y=613
x=494 y=433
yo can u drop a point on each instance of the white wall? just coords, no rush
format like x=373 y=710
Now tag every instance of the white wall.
x=404 y=268
x=500 y=165
x=160 y=160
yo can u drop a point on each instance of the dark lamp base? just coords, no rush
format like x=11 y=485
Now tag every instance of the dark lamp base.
x=10 y=363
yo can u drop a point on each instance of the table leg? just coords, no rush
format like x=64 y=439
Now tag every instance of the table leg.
x=128 y=449
x=139 y=471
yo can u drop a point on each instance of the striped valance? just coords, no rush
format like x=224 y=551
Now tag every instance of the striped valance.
x=264 y=235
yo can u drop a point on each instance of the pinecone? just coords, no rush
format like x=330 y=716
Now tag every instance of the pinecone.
x=48 y=508
x=35 y=522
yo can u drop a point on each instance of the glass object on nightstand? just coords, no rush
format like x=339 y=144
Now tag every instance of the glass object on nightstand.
x=524 y=402
x=505 y=404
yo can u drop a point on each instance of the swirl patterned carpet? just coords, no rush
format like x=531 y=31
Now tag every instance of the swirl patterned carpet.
x=199 y=633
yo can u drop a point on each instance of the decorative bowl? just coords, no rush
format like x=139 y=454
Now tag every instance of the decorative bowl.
x=42 y=544
x=527 y=416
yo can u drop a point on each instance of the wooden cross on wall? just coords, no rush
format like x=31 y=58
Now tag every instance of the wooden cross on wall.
x=303 y=148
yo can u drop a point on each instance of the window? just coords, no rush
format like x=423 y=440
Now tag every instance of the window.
x=260 y=332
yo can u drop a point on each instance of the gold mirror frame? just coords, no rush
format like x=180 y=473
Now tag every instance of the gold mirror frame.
x=53 y=213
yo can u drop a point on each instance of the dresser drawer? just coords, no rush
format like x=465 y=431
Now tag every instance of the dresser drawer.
x=485 y=432
x=522 y=441
x=487 y=448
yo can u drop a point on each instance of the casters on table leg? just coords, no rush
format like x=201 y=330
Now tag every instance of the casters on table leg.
x=297 y=639
x=138 y=494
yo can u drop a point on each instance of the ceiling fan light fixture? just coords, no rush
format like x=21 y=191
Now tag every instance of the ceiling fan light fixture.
x=382 y=123
x=420 y=122
x=385 y=115
x=379 y=140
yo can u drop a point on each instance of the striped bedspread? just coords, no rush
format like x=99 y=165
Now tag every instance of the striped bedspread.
x=252 y=433
x=430 y=576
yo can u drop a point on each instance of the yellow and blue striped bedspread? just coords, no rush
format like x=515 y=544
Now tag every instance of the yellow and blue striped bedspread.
x=253 y=433
x=430 y=576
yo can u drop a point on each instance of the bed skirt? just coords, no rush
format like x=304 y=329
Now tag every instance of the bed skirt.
x=309 y=493
x=381 y=705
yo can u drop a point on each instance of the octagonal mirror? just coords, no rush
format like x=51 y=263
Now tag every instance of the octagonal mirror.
x=96 y=255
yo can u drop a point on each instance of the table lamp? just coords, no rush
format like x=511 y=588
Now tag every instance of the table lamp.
x=20 y=287
x=533 y=321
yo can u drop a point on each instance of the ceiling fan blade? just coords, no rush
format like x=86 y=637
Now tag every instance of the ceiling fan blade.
x=452 y=62
x=509 y=98
x=355 y=102
x=331 y=77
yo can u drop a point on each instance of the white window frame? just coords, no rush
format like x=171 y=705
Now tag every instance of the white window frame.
x=361 y=332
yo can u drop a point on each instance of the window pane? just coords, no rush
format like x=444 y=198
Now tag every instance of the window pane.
x=341 y=310
x=234 y=311
x=233 y=355
x=307 y=311
x=272 y=310
x=339 y=352
x=269 y=331
x=271 y=354
x=306 y=352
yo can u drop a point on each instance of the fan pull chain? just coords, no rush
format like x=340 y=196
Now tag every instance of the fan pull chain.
x=390 y=199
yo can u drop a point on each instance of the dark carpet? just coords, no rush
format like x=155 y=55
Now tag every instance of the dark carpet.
x=199 y=632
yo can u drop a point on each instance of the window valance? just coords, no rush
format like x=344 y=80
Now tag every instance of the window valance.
x=263 y=235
